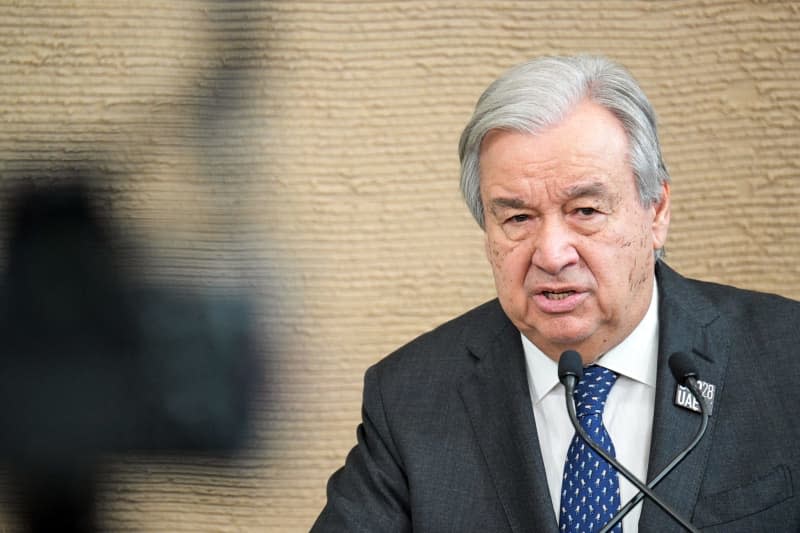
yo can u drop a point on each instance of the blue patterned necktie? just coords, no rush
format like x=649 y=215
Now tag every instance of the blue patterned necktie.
x=590 y=486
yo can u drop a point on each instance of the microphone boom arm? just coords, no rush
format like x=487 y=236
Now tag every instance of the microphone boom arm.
x=691 y=383
x=621 y=469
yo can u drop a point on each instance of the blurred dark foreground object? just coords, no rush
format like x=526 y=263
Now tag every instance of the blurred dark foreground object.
x=91 y=362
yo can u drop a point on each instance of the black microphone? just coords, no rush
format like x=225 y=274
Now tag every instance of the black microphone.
x=570 y=369
x=682 y=367
x=569 y=361
x=685 y=373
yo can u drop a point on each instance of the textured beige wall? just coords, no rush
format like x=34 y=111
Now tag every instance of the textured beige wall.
x=326 y=188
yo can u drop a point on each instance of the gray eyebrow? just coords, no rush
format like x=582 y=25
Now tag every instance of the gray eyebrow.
x=596 y=188
x=513 y=203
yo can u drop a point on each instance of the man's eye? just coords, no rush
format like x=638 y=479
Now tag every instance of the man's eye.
x=518 y=218
x=586 y=211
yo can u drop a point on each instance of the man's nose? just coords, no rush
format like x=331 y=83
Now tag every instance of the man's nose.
x=554 y=247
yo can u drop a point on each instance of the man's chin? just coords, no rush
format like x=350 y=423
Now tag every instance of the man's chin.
x=554 y=342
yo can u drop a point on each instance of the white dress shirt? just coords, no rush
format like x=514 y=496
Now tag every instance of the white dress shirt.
x=628 y=414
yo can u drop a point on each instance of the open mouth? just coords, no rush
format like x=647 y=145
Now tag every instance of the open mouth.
x=557 y=295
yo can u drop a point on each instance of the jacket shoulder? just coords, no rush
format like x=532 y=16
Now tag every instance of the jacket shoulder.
x=747 y=304
x=727 y=298
x=446 y=348
x=765 y=317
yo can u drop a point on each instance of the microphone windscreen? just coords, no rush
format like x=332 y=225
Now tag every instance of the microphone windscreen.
x=682 y=367
x=570 y=364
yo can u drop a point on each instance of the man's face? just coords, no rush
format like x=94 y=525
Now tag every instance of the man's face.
x=570 y=244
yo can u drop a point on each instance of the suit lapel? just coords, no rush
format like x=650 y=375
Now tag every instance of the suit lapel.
x=497 y=400
x=688 y=323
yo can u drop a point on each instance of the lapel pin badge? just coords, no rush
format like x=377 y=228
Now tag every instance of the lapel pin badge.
x=684 y=397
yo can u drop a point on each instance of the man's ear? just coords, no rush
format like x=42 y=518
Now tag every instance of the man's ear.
x=661 y=217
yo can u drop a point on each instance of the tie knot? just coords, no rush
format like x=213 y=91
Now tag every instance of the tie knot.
x=592 y=391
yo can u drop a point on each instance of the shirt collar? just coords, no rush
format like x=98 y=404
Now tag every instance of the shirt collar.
x=635 y=357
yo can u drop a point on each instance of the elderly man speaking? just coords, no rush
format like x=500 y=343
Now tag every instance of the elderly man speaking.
x=467 y=429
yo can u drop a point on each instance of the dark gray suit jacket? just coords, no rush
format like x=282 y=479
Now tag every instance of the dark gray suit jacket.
x=448 y=440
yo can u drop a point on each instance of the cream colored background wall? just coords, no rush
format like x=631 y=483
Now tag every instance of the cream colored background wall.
x=304 y=153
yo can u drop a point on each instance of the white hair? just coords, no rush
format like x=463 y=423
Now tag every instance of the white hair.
x=540 y=93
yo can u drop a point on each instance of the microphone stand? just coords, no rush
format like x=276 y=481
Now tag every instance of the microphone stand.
x=570 y=389
x=691 y=383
